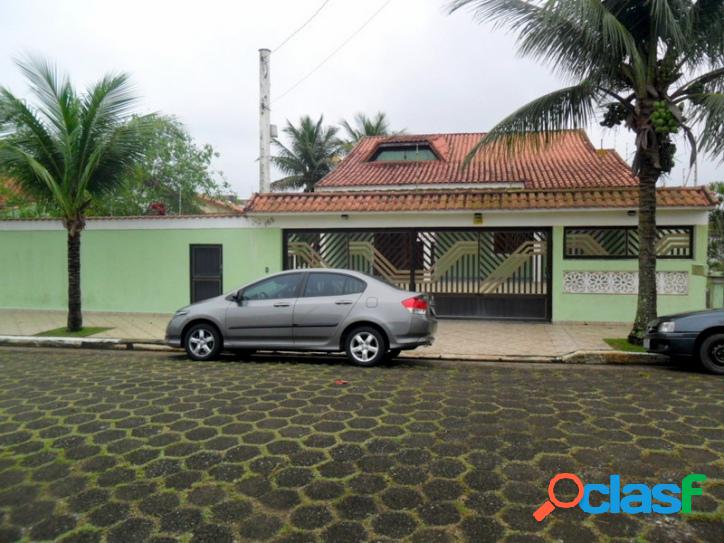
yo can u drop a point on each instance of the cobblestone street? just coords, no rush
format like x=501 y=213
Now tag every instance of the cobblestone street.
x=130 y=447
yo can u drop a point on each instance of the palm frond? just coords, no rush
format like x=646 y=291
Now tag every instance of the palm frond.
x=579 y=38
x=32 y=176
x=713 y=79
x=709 y=112
x=310 y=153
x=34 y=133
x=353 y=134
x=288 y=162
x=537 y=122
x=668 y=24
x=288 y=183
x=705 y=39
x=105 y=108
x=51 y=89
x=515 y=13
x=112 y=157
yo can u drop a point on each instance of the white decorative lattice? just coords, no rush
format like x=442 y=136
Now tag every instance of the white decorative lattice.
x=672 y=282
x=620 y=282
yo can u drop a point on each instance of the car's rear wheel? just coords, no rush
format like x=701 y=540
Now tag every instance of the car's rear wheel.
x=366 y=346
x=202 y=342
x=711 y=354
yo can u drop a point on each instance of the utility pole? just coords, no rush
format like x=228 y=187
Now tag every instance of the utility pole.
x=264 y=122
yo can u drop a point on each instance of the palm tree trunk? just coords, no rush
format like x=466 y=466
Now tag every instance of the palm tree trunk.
x=75 y=316
x=646 y=305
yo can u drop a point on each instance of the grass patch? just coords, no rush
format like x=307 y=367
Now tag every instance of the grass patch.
x=63 y=332
x=622 y=344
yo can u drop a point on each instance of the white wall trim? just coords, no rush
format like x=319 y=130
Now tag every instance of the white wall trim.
x=492 y=218
x=182 y=223
x=385 y=219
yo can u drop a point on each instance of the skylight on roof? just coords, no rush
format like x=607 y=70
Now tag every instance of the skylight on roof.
x=404 y=152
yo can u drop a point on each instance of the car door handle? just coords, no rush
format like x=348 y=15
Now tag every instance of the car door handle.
x=282 y=304
x=343 y=302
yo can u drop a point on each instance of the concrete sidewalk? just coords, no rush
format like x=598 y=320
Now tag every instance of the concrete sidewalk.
x=463 y=338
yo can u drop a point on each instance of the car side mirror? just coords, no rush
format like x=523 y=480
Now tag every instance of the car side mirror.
x=237 y=297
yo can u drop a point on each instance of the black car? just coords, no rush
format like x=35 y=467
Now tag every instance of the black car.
x=697 y=334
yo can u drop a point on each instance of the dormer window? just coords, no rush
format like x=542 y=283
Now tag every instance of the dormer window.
x=404 y=152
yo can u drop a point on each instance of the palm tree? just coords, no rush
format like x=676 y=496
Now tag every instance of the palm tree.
x=654 y=66
x=310 y=155
x=67 y=148
x=365 y=126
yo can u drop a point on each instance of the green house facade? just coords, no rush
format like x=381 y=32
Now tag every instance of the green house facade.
x=549 y=235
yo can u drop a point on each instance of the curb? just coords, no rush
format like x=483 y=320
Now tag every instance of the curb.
x=575 y=357
x=83 y=343
x=612 y=358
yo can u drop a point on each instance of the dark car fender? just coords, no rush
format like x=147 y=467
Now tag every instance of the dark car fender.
x=695 y=327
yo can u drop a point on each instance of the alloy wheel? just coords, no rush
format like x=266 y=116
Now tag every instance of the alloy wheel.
x=201 y=342
x=364 y=347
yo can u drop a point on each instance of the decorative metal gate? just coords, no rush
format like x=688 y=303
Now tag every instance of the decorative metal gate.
x=481 y=273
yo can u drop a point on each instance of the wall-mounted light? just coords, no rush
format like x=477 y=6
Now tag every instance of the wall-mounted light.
x=344 y=217
x=477 y=218
x=631 y=213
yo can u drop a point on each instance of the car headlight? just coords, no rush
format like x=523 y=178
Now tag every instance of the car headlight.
x=667 y=327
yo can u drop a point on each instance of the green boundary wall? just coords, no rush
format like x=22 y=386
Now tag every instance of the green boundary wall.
x=622 y=307
x=127 y=270
x=147 y=270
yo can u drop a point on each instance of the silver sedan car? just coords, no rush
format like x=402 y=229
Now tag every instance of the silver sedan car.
x=308 y=310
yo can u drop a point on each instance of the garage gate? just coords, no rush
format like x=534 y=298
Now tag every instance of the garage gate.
x=471 y=273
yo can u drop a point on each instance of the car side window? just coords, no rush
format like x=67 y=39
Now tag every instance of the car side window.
x=332 y=284
x=282 y=286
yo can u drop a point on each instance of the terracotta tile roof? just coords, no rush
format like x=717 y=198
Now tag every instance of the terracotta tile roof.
x=569 y=161
x=215 y=205
x=472 y=200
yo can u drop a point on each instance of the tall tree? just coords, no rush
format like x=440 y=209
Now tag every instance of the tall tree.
x=364 y=126
x=65 y=148
x=309 y=156
x=657 y=66
x=173 y=170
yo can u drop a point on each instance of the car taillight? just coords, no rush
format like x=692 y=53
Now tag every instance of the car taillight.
x=417 y=305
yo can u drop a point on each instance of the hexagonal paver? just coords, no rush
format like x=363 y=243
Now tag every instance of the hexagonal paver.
x=126 y=447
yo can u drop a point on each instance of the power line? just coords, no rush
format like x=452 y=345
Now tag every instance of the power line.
x=301 y=27
x=337 y=50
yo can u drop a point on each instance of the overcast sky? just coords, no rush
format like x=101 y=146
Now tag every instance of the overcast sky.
x=429 y=71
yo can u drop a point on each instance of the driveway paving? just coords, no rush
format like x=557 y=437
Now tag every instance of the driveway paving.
x=455 y=337
x=129 y=447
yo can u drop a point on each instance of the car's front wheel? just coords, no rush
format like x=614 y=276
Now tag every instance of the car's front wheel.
x=366 y=346
x=711 y=354
x=202 y=342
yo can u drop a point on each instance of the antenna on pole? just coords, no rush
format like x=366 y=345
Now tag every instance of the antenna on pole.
x=264 y=121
